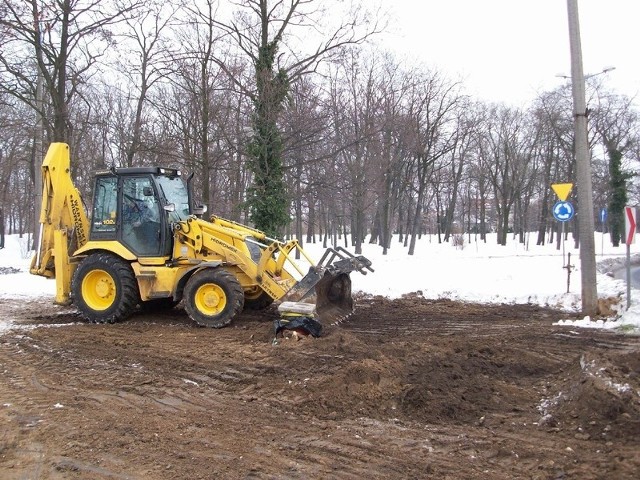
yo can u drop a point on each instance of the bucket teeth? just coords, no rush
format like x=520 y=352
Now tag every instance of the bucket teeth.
x=337 y=320
x=334 y=316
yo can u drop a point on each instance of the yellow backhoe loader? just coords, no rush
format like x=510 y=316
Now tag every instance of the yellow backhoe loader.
x=146 y=246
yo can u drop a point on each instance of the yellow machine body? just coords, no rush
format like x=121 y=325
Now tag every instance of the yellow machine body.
x=217 y=266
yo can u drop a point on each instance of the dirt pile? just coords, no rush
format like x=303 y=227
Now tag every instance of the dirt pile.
x=600 y=399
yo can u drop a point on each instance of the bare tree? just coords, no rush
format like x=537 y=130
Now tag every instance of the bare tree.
x=61 y=41
x=456 y=166
x=394 y=151
x=356 y=105
x=204 y=111
x=305 y=128
x=16 y=192
x=505 y=156
x=145 y=60
x=269 y=33
x=552 y=121
x=432 y=111
x=64 y=38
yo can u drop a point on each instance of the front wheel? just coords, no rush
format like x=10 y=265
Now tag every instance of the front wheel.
x=256 y=299
x=212 y=297
x=104 y=289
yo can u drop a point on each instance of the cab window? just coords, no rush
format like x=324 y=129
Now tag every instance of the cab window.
x=141 y=222
x=105 y=203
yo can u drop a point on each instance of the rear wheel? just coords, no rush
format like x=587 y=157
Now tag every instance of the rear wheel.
x=104 y=289
x=212 y=297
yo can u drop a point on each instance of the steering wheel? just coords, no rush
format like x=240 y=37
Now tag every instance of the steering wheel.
x=133 y=202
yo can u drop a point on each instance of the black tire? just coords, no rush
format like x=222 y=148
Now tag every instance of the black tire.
x=104 y=289
x=256 y=299
x=212 y=297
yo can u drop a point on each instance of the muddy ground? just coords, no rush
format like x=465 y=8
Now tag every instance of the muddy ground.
x=406 y=388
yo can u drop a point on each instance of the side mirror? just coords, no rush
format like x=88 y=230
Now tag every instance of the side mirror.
x=199 y=210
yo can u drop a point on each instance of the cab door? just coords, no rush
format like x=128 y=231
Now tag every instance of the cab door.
x=141 y=223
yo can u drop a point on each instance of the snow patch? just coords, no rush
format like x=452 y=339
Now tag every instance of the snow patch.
x=482 y=272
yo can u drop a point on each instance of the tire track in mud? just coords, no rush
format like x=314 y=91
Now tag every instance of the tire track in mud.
x=346 y=449
x=446 y=319
x=135 y=383
x=86 y=393
x=293 y=448
x=25 y=411
x=158 y=398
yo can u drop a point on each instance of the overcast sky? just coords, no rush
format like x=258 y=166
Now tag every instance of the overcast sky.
x=510 y=50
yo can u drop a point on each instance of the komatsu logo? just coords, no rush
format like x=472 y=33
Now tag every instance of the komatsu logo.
x=270 y=292
x=77 y=220
x=224 y=244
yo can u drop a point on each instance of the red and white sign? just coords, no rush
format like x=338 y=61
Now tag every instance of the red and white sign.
x=629 y=224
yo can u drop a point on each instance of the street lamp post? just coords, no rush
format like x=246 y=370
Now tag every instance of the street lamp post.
x=586 y=226
x=588 y=75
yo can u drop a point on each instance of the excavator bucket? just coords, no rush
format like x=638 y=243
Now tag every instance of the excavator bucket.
x=328 y=284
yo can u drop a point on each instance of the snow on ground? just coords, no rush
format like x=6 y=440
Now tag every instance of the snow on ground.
x=478 y=272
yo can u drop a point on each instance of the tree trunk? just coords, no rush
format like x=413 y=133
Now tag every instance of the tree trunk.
x=1 y=227
x=415 y=227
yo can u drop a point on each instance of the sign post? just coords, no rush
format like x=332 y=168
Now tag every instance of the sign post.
x=563 y=211
x=630 y=217
x=603 y=220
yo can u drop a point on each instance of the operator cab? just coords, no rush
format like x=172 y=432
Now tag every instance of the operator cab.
x=136 y=206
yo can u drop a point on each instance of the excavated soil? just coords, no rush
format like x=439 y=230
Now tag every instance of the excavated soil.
x=406 y=388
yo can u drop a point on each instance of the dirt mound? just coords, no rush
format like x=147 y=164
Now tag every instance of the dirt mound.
x=343 y=375
x=601 y=399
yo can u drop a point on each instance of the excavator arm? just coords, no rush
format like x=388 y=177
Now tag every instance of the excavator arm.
x=63 y=222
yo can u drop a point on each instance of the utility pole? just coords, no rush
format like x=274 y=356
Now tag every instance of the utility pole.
x=586 y=225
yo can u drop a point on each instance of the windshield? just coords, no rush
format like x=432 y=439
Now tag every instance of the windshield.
x=175 y=191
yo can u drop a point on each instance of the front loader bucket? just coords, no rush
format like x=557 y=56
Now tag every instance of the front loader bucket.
x=331 y=294
x=328 y=285
x=333 y=297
